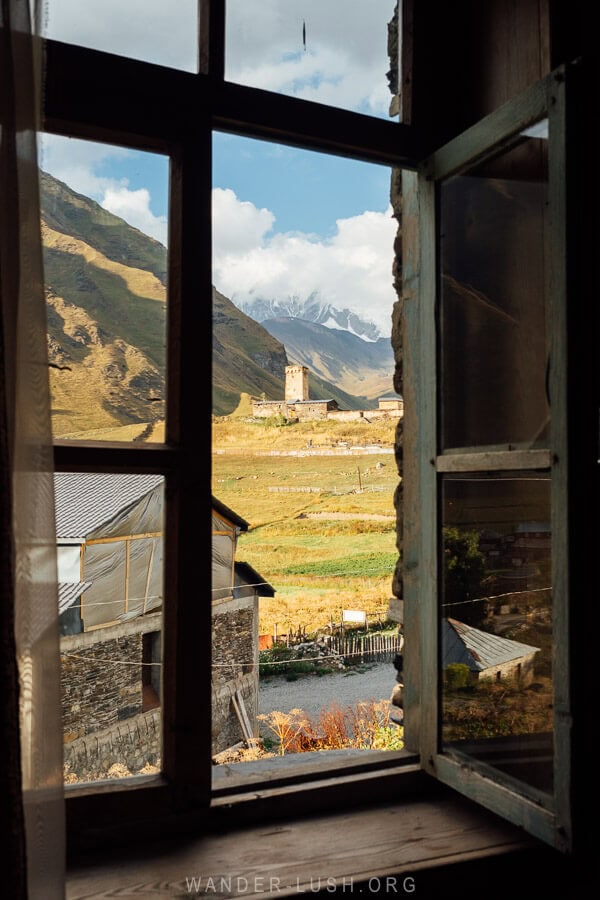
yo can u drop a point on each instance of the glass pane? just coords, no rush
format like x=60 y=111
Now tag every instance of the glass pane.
x=337 y=53
x=494 y=348
x=110 y=571
x=104 y=230
x=496 y=623
x=149 y=30
x=304 y=540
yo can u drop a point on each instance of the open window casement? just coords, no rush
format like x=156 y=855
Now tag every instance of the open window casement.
x=485 y=545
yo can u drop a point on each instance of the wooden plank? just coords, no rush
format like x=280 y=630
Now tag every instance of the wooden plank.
x=427 y=500
x=148 y=576
x=560 y=268
x=490 y=133
x=348 y=849
x=96 y=95
x=125 y=537
x=211 y=38
x=102 y=456
x=506 y=460
x=240 y=716
x=187 y=625
x=468 y=778
x=302 y=123
x=127 y=551
x=310 y=766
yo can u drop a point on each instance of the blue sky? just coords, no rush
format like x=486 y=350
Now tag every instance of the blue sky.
x=286 y=222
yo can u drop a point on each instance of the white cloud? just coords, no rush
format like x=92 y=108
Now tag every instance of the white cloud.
x=134 y=207
x=154 y=30
x=344 y=63
x=238 y=225
x=353 y=269
x=76 y=163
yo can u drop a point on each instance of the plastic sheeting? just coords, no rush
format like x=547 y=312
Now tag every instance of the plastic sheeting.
x=144 y=517
x=223 y=552
x=104 y=566
x=127 y=574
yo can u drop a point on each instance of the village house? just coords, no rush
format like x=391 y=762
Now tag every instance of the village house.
x=110 y=568
x=110 y=562
x=488 y=656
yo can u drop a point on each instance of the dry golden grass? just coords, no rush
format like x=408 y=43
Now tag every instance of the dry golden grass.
x=139 y=281
x=337 y=563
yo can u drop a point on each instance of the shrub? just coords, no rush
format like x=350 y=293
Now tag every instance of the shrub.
x=365 y=726
x=457 y=676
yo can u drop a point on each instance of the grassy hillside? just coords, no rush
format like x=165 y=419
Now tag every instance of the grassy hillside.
x=106 y=302
x=322 y=551
x=71 y=213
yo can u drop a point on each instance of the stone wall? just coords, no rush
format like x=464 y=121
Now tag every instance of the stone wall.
x=308 y=411
x=97 y=689
x=345 y=415
x=235 y=667
x=101 y=676
x=132 y=744
x=262 y=409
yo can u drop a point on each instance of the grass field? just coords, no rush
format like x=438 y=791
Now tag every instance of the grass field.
x=322 y=551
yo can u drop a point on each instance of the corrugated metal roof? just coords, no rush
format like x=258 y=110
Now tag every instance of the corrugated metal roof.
x=249 y=576
x=69 y=593
x=478 y=649
x=86 y=500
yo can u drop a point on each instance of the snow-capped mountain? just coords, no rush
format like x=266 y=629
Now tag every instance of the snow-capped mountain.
x=311 y=310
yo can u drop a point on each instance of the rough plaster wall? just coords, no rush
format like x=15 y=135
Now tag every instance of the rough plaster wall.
x=98 y=690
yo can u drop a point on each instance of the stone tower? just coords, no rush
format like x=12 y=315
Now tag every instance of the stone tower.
x=296 y=383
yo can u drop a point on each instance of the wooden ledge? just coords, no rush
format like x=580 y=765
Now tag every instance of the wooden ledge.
x=425 y=840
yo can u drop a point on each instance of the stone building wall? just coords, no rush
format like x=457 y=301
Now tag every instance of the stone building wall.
x=101 y=676
x=265 y=408
x=97 y=689
x=308 y=411
x=133 y=743
x=235 y=658
x=345 y=415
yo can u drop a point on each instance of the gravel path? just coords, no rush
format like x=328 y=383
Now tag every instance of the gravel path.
x=312 y=693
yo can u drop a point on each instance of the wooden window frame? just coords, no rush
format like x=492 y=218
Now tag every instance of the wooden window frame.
x=426 y=462
x=99 y=96
x=94 y=95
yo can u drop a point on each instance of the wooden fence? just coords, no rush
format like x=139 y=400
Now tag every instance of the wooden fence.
x=367 y=647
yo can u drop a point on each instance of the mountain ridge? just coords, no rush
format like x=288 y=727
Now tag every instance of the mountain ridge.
x=106 y=314
x=310 y=310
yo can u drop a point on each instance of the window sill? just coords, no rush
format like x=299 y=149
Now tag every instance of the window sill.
x=440 y=841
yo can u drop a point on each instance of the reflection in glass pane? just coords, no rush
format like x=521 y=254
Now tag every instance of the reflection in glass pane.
x=335 y=53
x=105 y=271
x=496 y=623
x=494 y=349
x=149 y=30
x=110 y=570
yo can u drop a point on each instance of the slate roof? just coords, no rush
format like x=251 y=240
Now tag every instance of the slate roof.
x=478 y=649
x=69 y=593
x=86 y=500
